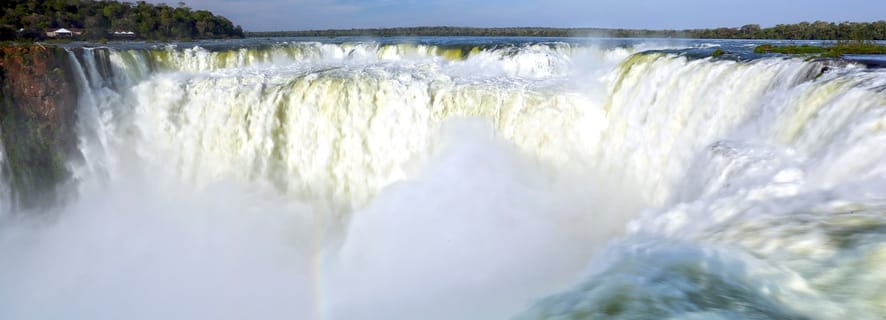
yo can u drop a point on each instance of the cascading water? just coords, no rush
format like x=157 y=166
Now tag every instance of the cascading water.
x=780 y=217
x=5 y=189
x=460 y=181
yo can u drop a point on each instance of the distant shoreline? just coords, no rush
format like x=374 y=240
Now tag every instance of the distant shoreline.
x=818 y=30
x=471 y=32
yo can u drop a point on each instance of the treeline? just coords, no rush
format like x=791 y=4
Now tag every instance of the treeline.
x=818 y=30
x=471 y=32
x=28 y=19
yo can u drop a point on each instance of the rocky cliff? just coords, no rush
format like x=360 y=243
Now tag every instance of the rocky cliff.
x=38 y=99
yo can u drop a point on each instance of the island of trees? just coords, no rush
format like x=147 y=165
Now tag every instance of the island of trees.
x=818 y=30
x=96 y=20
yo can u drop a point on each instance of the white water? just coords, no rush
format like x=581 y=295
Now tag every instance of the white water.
x=320 y=181
x=5 y=190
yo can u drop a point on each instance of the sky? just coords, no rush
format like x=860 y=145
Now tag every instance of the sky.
x=277 y=15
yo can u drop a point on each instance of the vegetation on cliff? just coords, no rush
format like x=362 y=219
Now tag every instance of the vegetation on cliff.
x=37 y=115
x=818 y=30
x=857 y=47
x=99 y=19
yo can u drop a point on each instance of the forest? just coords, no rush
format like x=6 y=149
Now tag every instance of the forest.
x=818 y=30
x=29 y=20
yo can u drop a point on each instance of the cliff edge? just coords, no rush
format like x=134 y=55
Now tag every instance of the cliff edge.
x=38 y=100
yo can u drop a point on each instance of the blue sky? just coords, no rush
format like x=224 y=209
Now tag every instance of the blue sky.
x=267 y=15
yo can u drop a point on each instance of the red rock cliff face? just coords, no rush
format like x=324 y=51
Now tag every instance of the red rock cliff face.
x=38 y=99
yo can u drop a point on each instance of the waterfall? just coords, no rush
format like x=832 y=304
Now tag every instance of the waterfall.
x=6 y=198
x=475 y=180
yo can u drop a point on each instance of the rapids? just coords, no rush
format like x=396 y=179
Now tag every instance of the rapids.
x=460 y=179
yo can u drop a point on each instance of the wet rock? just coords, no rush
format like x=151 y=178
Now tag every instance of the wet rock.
x=38 y=99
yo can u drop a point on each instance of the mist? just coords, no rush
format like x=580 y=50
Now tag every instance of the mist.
x=481 y=231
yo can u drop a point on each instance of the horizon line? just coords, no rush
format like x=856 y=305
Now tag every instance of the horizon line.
x=560 y=28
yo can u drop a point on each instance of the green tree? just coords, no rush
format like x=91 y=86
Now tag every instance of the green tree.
x=149 y=21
